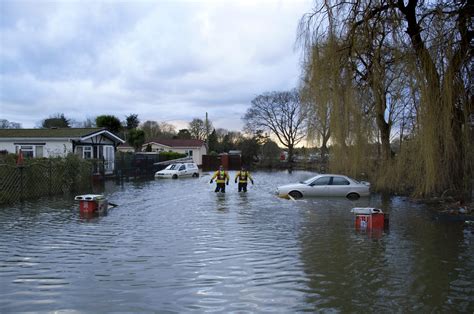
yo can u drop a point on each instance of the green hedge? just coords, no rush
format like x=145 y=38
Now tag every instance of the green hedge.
x=165 y=156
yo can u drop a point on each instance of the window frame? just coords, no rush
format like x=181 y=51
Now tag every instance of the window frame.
x=340 y=178
x=87 y=149
x=324 y=177
x=29 y=150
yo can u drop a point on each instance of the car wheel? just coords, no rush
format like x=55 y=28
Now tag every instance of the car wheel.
x=295 y=194
x=195 y=175
x=353 y=196
x=175 y=176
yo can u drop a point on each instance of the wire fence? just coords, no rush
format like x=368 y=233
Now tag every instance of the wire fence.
x=44 y=178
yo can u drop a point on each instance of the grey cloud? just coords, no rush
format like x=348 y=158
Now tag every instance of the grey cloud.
x=162 y=60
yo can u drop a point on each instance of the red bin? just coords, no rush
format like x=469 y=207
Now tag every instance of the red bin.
x=91 y=203
x=368 y=218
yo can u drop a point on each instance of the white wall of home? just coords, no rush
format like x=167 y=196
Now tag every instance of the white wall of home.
x=197 y=153
x=50 y=148
x=57 y=149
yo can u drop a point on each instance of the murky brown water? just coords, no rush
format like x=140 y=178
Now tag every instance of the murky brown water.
x=174 y=246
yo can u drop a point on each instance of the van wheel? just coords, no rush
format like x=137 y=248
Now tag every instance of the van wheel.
x=175 y=176
x=195 y=175
x=295 y=194
x=353 y=196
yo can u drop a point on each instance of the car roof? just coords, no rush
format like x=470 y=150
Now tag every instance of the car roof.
x=329 y=175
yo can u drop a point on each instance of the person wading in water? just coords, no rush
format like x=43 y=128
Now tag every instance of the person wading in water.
x=222 y=178
x=243 y=175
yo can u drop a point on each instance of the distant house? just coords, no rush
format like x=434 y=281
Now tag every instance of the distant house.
x=88 y=143
x=125 y=148
x=193 y=148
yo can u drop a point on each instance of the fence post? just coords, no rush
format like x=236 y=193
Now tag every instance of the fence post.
x=50 y=169
x=21 y=182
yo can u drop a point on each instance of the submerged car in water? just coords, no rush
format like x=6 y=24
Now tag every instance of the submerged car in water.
x=178 y=170
x=326 y=185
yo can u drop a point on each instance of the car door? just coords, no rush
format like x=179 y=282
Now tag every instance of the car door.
x=182 y=170
x=320 y=186
x=191 y=168
x=340 y=186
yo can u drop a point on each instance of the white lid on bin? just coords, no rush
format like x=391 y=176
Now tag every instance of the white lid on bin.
x=89 y=197
x=366 y=210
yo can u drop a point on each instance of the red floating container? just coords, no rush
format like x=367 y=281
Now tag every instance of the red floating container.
x=369 y=218
x=91 y=203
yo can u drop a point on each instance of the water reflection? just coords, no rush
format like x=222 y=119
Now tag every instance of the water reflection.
x=174 y=245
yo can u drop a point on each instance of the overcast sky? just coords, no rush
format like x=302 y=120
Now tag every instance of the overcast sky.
x=163 y=60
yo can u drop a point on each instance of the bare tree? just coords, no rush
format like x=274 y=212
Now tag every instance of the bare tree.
x=5 y=124
x=167 y=130
x=232 y=136
x=88 y=123
x=151 y=129
x=200 y=129
x=280 y=113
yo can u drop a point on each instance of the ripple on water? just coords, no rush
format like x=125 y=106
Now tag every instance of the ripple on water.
x=176 y=246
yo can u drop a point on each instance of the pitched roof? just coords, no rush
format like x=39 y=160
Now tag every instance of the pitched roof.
x=60 y=132
x=53 y=133
x=177 y=142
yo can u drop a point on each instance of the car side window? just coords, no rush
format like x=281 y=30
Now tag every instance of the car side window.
x=339 y=181
x=321 y=181
x=182 y=168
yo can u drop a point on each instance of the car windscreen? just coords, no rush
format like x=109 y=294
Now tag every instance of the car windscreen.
x=172 y=167
x=308 y=181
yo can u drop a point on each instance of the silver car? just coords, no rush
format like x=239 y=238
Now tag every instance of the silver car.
x=326 y=185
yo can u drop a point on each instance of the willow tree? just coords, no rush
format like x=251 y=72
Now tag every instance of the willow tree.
x=281 y=114
x=336 y=106
x=435 y=40
x=315 y=96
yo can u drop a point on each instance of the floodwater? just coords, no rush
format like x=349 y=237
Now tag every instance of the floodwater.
x=175 y=246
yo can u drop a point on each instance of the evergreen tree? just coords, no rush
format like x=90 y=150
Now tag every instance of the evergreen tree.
x=213 y=142
x=110 y=122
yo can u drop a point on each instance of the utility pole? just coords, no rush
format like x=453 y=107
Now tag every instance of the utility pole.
x=206 y=125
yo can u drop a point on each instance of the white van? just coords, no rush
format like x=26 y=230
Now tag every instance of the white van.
x=178 y=170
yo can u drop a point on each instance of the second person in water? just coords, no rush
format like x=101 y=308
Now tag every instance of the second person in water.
x=243 y=176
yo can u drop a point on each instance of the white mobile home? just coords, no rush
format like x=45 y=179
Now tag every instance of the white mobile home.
x=88 y=143
x=192 y=148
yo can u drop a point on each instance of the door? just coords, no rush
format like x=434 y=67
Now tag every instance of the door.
x=109 y=159
x=339 y=186
x=183 y=171
x=320 y=186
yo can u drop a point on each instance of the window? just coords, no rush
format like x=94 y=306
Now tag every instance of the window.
x=182 y=168
x=190 y=153
x=321 y=181
x=87 y=152
x=339 y=181
x=27 y=151
x=30 y=151
x=39 y=151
